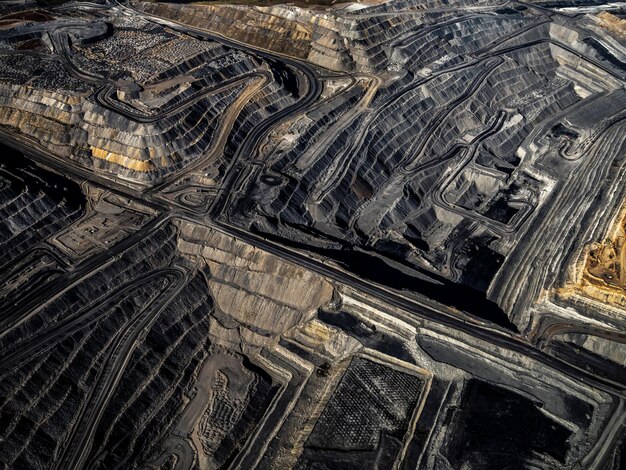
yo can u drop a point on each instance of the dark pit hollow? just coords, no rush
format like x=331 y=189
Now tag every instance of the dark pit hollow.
x=496 y=428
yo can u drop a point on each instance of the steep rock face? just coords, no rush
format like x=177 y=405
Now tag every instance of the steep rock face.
x=102 y=140
x=320 y=37
x=612 y=22
x=600 y=273
x=253 y=288
x=79 y=325
x=35 y=204
x=126 y=98
x=157 y=380
x=386 y=177
x=442 y=168
x=339 y=38
x=256 y=306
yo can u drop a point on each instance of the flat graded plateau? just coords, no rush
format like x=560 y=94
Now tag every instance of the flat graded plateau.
x=319 y=235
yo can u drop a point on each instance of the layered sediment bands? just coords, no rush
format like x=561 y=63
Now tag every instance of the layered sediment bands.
x=143 y=368
x=443 y=168
x=254 y=289
x=613 y=23
x=154 y=251
x=159 y=374
x=34 y=426
x=307 y=34
x=600 y=274
x=346 y=360
x=139 y=101
x=368 y=255
x=597 y=180
x=271 y=97
x=68 y=351
x=34 y=204
x=354 y=38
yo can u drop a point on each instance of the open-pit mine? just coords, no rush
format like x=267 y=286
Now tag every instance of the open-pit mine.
x=330 y=235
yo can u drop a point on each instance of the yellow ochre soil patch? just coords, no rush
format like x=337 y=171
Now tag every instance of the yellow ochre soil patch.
x=121 y=160
x=602 y=271
x=612 y=23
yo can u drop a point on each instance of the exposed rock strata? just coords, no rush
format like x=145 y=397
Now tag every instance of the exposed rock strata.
x=257 y=262
x=141 y=102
